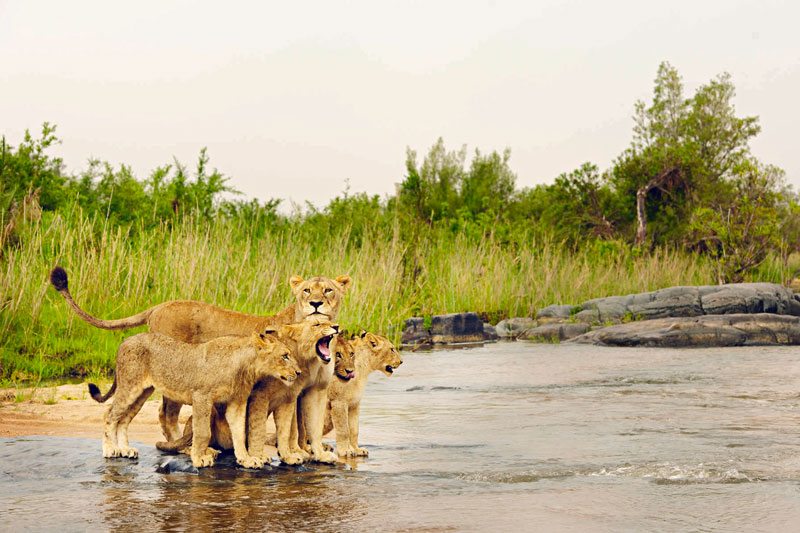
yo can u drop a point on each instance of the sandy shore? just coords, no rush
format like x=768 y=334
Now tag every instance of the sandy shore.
x=69 y=411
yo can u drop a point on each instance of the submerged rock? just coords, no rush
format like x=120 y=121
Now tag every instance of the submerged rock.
x=709 y=330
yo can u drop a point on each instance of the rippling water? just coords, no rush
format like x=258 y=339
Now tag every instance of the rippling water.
x=509 y=436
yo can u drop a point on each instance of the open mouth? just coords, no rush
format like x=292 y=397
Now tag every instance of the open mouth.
x=389 y=369
x=324 y=349
x=346 y=377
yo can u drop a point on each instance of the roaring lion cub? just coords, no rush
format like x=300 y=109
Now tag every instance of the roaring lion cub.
x=311 y=344
x=222 y=370
x=318 y=298
x=372 y=352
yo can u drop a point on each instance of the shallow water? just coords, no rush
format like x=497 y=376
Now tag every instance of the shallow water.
x=509 y=436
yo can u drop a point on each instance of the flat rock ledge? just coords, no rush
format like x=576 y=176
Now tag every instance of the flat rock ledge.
x=704 y=331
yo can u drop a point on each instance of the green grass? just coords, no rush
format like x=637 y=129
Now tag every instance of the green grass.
x=113 y=274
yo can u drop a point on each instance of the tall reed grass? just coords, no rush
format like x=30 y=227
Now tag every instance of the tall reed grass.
x=116 y=272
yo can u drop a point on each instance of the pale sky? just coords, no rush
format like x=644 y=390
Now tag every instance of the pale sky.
x=292 y=99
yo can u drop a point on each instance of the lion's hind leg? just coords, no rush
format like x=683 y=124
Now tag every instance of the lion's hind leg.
x=115 y=434
x=168 y=413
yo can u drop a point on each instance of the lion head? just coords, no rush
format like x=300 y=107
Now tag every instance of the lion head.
x=382 y=354
x=318 y=298
x=310 y=339
x=273 y=358
x=345 y=358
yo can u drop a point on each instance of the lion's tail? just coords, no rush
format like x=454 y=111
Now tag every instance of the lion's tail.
x=58 y=277
x=175 y=446
x=94 y=392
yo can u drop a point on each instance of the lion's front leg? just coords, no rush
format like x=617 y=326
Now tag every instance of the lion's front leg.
x=257 y=413
x=201 y=431
x=352 y=420
x=236 y=414
x=338 y=415
x=285 y=416
x=313 y=408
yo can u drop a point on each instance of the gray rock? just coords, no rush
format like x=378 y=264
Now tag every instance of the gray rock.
x=514 y=327
x=554 y=331
x=748 y=298
x=554 y=313
x=588 y=316
x=456 y=327
x=414 y=332
x=489 y=333
x=445 y=329
x=672 y=301
x=709 y=330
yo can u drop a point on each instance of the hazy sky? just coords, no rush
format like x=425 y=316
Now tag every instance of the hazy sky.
x=292 y=99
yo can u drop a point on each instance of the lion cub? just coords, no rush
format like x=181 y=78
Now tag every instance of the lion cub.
x=372 y=352
x=222 y=370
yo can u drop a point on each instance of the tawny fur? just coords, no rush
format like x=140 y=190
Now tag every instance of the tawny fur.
x=372 y=352
x=317 y=298
x=284 y=402
x=222 y=371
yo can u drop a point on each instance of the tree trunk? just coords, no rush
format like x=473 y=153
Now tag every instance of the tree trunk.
x=641 y=195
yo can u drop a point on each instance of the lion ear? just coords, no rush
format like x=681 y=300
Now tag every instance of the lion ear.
x=291 y=330
x=345 y=282
x=371 y=338
x=295 y=282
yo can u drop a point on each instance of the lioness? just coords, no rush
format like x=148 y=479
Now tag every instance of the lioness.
x=310 y=342
x=194 y=322
x=219 y=371
x=372 y=352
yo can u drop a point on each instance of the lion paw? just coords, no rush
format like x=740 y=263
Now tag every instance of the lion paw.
x=250 y=462
x=361 y=452
x=131 y=453
x=292 y=458
x=201 y=461
x=214 y=453
x=327 y=447
x=324 y=457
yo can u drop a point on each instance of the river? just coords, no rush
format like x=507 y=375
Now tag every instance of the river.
x=504 y=437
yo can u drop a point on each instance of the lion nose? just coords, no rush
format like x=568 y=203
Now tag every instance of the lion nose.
x=315 y=305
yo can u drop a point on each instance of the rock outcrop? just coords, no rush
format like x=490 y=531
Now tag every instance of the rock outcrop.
x=691 y=301
x=709 y=315
x=708 y=330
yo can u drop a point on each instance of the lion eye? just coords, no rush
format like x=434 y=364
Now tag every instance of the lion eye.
x=373 y=344
x=338 y=355
x=286 y=356
x=328 y=290
x=307 y=291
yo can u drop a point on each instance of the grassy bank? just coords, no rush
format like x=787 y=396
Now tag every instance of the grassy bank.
x=117 y=271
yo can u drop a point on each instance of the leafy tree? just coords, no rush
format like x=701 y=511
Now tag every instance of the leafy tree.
x=741 y=228
x=489 y=184
x=682 y=151
x=432 y=190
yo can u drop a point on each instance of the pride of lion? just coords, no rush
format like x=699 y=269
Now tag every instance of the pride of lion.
x=236 y=369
